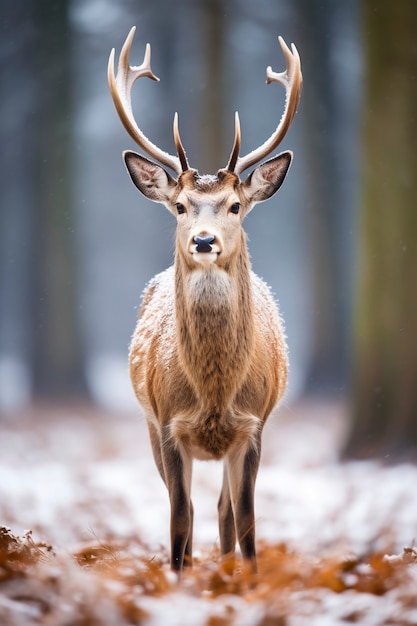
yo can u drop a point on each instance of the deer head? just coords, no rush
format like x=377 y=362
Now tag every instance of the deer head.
x=208 y=208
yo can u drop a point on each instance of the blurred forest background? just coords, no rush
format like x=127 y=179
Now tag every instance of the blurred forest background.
x=337 y=245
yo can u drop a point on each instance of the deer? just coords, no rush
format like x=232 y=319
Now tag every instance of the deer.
x=208 y=357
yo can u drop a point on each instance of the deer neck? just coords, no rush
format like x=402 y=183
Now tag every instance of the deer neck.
x=215 y=333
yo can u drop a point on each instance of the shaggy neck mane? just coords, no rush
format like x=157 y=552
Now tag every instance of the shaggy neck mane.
x=214 y=312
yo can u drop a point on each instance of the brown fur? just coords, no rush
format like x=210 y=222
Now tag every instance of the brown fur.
x=208 y=357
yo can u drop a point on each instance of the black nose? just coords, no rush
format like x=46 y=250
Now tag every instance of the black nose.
x=203 y=244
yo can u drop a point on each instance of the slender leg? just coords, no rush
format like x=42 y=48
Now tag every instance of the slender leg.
x=242 y=465
x=177 y=470
x=226 y=520
x=188 y=554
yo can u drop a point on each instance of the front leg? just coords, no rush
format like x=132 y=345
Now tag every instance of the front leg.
x=242 y=467
x=177 y=470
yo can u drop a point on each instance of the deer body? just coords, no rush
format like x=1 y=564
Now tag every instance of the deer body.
x=226 y=351
x=208 y=358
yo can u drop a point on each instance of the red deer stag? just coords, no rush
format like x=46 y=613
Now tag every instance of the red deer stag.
x=208 y=358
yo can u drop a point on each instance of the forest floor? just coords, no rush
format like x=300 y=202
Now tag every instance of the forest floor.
x=335 y=540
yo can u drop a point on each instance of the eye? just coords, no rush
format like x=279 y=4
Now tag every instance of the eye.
x=235 y=208
x=180 y=208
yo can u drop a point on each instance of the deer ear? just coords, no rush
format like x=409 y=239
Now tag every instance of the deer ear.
x=267 y=178
x=151 y=179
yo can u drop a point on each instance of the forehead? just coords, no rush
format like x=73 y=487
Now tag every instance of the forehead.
x=211 y=189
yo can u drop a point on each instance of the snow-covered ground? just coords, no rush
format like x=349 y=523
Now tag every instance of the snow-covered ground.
x=74 y=476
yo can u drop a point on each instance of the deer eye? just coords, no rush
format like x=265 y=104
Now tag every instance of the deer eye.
x=180 y=208
x=235 y=208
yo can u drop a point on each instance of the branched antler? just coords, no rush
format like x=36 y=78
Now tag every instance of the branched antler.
x=121 y=87
x=292 y=80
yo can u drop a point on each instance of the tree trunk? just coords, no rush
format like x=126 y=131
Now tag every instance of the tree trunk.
x=385 y=362
x=58 y=353
x=327 y=32
x=18 y=136
x=212 y=106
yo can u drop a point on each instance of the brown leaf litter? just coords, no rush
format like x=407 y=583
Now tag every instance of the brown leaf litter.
x=32 y=574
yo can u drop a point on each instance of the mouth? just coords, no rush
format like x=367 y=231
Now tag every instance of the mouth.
x=205 y=258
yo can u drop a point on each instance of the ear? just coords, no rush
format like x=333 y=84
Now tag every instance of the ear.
x=267 y=178
x=151 y=179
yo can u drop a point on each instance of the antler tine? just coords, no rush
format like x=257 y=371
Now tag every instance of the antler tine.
x=178 y=144
x=120 y=89
x=236 y=146
x=292 y=80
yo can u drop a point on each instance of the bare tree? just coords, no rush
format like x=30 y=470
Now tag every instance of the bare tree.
x=328 y=32
x=384 y=408
x=57 y=348
x=18 y=134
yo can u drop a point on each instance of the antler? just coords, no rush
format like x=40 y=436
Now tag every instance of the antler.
x=292 y=80
x=121 y=87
